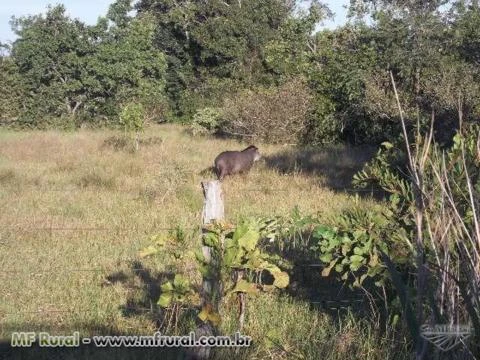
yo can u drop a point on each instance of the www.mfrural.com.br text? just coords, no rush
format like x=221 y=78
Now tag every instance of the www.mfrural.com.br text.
x=44 y=339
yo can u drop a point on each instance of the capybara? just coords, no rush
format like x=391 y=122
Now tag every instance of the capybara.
x=234 y=162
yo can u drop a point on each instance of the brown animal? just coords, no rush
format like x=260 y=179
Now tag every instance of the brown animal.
x=234 y=162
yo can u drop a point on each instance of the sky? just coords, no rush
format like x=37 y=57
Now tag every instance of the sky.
x=89 y=10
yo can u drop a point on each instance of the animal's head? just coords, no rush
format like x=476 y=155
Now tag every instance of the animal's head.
x=253 y=149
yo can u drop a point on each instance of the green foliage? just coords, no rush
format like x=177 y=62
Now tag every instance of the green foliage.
x=180 y=58
x=449 y=194
x=130 y=67
x=132 y=118
x=213 y=46
x=235 y=253
x=387 y=170
x=340 y=64
x=11 y=91
x=178 y=291
x=291 y=51
x=81 y=73
x=54 y=73
x=206 y=121
x=240 y=251
x=355 y=246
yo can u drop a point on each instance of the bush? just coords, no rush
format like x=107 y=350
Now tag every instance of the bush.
x=205 y=121
x=273 y=115
x=132 y=118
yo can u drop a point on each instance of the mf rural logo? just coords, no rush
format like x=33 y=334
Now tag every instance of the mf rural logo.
x=446 y=337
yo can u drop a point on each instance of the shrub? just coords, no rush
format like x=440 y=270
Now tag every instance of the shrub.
x=205 y=121
x=132 y=118
x=272 y=115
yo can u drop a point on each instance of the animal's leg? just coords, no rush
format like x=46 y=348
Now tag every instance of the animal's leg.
x=221 y=175
x=217 y=172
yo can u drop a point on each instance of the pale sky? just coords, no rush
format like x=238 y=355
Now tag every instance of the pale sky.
x=89 y=10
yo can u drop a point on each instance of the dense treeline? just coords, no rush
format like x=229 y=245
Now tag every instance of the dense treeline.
x=228 y=64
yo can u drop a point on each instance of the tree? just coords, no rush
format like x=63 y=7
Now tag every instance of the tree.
x=126 y=66
x=82 y=73
x=293 y=49
x=11 y=91
x=53 y=73
x=214 y=47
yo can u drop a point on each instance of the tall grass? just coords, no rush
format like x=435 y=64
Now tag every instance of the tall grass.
x=77 y=212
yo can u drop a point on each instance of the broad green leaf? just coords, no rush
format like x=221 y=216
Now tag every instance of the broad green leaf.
x=339 y=268
x=256 y=260
x=180 y=282
x=281 y=279
x=199 y=256
x=326 y=258
x=358 y=251
x=245 y=287
x=178 y=297
x=165 y=299
x=167 y=287
x=356 y=258
x=323 y=231
x=249 y=240
x=241 y=230
x=359 y=234
x=232 y=256
x=210 y=239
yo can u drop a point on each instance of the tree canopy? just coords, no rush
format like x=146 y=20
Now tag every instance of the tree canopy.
x=180 y=57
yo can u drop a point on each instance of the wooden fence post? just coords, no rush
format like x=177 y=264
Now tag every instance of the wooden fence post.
x=213 y=210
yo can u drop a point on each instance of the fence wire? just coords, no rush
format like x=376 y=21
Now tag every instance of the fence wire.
x=88 y=229
x=124 y=229
x=78 y=311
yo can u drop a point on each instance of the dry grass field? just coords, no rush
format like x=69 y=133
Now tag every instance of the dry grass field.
x=76 y=211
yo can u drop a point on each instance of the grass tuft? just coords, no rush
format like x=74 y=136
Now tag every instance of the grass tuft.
x=8 y=176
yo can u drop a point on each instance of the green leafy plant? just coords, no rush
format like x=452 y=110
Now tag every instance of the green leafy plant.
x=178 y=291
x=354 y=246
x=175 y=295
x=169 y=244
x=205 y=121
x=240 y=251
x=236 y=254
x=132 y=118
